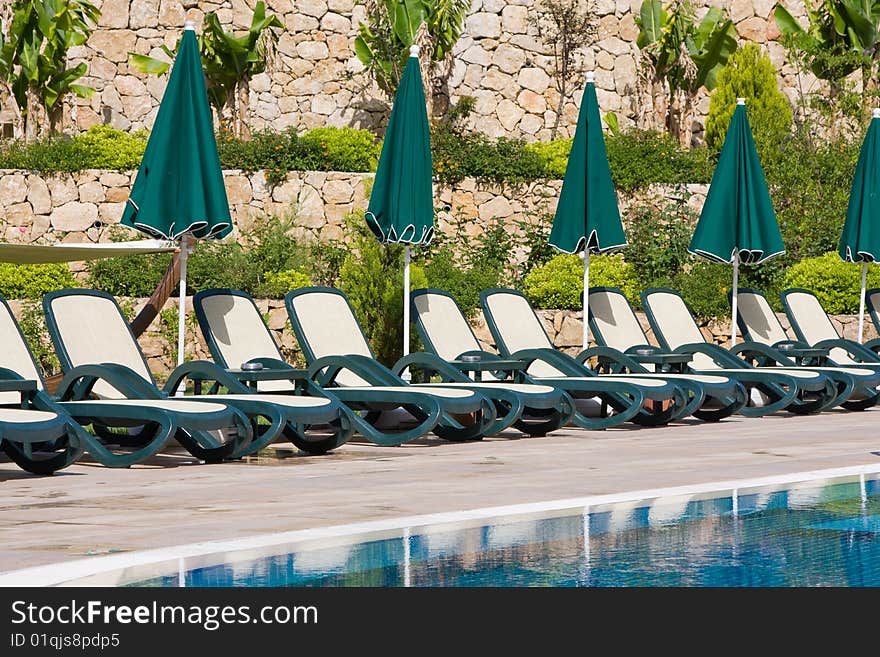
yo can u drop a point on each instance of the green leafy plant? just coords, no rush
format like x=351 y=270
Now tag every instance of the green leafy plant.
x=33 y=281
x=229 y=62
x=658 y=240
x=278 y=284
x=704 y=286
x=750 y=74
x=639 y=158
x=32 y=323
x=392 y=26
x=320 y=149
x=100 y=147
x=33 y=59
x=682 y=57
x=559 y=283
x=835 y=283
x=372 y=279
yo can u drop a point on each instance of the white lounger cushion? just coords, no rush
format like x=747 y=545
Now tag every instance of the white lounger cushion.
x=331 y=330
x=450 y=334
x=92 y=325
x=241 y=335
x=15 y=356
x=815 y=324
x=763 y=324
x=521 y=329
x=615 y=320
x=173 y=405
x=23 y=416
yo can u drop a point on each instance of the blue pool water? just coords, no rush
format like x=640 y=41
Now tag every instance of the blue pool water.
x=827 y=536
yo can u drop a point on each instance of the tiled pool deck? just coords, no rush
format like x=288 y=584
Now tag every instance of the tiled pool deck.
x=88 y=509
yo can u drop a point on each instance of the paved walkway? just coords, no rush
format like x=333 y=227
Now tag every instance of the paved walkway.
x=88 y=509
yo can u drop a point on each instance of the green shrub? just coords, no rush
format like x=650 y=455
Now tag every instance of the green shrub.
x=457 y=155
x=33 y=281
x=113 y=149
x=835 y=283
x=554 y=155
x=559 y=283
x=749 y=74
x=704 y=286
x=278 y=284
x=372 y=279
x=320 y=149
x=639 y=158
x=267 y=247
x=658 y=240
x=100 y=147
x=809 y=181
x=33 y=326
x=463 y=283
x=342 y=149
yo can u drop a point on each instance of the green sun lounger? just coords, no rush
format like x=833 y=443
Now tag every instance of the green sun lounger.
x=519 y=334
x=768 y=344
x=149 y=423
x=39 y=442
x=624 y=345
x=236 y=333
x=813 y=327
x=797 y=390
x=445 y=333
x=101 y=357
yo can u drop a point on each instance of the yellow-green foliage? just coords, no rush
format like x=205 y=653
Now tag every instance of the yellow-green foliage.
x=112 y=148
x=559 y=283
x=554 y=154
x=835 y=283
x=749 y=74
x=277 y=284
x=33 y=281
x=344 y=149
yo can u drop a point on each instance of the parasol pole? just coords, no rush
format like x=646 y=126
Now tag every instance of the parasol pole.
x=586 y=332
x=181 y=307
x=862 y=301
x=733 y=303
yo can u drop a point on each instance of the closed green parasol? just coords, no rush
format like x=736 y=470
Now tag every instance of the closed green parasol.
x=860 y=240
x=738 y=223
x=587 y=217
x=401 y=205
x=178 y=192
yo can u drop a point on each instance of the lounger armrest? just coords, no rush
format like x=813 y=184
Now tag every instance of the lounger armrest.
x=620 y=361
x=78 y=382
x=325 y=370
x=561 y=361
x=857 y=351
x=873 y=345
x=429 y=363
x=272 y=363
x=718 y=354
x=202 y=370
x=761 y=355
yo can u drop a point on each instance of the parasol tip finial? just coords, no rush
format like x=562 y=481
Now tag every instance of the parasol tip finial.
x=190 y=25
x=414 y=50
x=591 y=77
x=740 y=101
x=877 y=112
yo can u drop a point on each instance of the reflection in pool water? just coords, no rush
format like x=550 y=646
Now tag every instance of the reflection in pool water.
x=826 y=536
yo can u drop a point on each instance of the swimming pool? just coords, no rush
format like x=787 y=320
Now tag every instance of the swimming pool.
x=809 y=536
x=808 y=529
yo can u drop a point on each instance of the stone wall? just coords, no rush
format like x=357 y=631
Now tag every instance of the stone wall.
x=316 y=79
x=84 y=206
x=159 y=342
